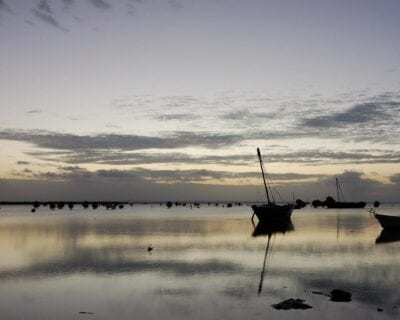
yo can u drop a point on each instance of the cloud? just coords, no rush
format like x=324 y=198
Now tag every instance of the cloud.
x=44 y=13
x=166 y=176
x=175 y=5
x=100 y=4
x=395 y=178
x=23 y=162
x=68 y=4
x=178 y=139
x=71 y=168
x=4 y=7
x=159 y=185
x=34 y=111
x=307 y=157
x=169 y=117
x=371 y=112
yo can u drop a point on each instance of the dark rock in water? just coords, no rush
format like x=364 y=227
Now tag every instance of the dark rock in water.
x=379 y=309
x=33 y=210
x=338 y=295
x=149 y=248
x=318 y=292
x=376 y=204
x=85 y=312
x=291 y=304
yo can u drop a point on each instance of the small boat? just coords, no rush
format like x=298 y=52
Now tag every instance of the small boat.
x=388 y=236
x=270 y=211
x=388 y=222
x=331 y=203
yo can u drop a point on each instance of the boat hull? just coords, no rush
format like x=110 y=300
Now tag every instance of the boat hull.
x=346 y=205
x=388 y=235
x=388 y=222
x=273 y=213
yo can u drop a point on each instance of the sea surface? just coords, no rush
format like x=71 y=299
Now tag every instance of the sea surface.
x=205 y=263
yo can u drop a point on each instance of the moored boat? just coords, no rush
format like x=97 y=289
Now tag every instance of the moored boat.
x=388 y=222
x=387 y=236
x=270 y=211
x=331 y=203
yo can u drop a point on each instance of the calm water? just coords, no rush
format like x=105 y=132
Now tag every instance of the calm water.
x=205 y=264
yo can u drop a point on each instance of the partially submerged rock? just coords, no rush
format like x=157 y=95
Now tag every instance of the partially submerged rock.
x=338 y=295
x=85 y=312
x=291 y=304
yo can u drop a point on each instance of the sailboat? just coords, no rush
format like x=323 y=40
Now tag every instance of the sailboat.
x=270 y=211
x=331 y=203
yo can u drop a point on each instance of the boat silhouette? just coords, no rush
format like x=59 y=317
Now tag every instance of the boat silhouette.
x=331 y=203
x=388 y=222
x=387 y=236
x=270 y=211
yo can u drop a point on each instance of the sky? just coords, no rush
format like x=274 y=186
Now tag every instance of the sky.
x=156 y=100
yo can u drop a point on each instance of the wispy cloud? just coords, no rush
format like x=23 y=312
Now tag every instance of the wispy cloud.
x=4 y=7
x=100 y=4
x=68 y=4
x=44 y=12
x=65 y=141
x=361 y=113
x=167 y=176
x=34 y=111
x=23 y=162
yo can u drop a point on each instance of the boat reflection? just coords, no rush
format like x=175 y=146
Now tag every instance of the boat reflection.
x=269 y=229
x=264 y=228
x=387 y=236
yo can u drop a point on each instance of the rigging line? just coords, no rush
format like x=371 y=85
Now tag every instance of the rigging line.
x=341 y=192
x=271 y=188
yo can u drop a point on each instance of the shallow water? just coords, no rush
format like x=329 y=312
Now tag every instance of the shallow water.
x=205 y=264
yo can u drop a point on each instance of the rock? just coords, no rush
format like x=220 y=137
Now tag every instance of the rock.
x=149 y=248
x=291 y=304
x=85 y=312
x=338 y=295
x=318 y=292
x=379 y=309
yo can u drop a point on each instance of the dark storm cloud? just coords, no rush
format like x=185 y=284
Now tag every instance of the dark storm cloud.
x=179 y=139
x=100 y=4
x=44 y=12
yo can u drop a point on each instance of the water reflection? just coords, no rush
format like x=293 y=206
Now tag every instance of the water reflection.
x=204 y=265
x=269 y=229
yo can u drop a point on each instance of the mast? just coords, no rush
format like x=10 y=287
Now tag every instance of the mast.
x=262 y=171
x=337 y=190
